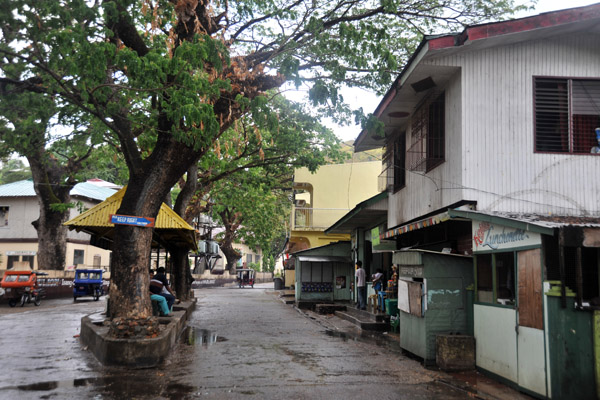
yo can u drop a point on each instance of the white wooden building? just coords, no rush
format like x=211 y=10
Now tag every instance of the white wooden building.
x=19 y=207
x=499 y=119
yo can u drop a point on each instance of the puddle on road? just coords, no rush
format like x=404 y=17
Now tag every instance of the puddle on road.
x=116 y=387
x=47 y=386
x=342 y=335
x=203 y=337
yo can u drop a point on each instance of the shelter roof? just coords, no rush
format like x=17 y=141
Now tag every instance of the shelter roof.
x=169 y=226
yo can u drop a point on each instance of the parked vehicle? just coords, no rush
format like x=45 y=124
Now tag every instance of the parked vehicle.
x=88 y=282
x=21 y=287
x=245 y=277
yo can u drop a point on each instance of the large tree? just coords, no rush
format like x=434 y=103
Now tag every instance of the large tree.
x=243 y=154
x=54 y=160
x=253 y=207
x=168 y=78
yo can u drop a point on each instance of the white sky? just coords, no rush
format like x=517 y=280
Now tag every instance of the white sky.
x=369 y=101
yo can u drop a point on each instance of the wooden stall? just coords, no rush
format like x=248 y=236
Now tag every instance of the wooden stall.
x=432 y=298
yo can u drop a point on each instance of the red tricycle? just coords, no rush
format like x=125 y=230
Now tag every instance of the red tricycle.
x=22 y=287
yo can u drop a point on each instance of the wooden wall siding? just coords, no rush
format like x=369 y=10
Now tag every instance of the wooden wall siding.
x=415 y=290
x=428 y=192
x=530 y=289
x=489 y=136
x=500 y=162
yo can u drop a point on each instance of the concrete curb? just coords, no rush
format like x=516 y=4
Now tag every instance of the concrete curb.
x=139 y=353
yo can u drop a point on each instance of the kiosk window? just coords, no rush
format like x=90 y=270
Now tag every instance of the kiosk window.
x=496 y=278
x=485 y=289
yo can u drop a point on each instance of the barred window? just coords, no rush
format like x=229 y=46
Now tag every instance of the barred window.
x=567 y=113
x=427 y=149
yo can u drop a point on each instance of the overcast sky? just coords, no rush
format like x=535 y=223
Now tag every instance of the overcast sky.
x=368 y=101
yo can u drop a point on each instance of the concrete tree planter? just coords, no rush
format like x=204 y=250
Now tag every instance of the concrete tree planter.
x=137 y=353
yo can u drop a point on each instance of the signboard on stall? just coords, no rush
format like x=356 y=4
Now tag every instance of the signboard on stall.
x=375 y=236
x=488 y=237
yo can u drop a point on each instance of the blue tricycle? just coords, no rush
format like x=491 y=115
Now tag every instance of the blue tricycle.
x=88 y=282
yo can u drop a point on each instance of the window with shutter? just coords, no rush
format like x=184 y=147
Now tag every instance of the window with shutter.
x=567 y=112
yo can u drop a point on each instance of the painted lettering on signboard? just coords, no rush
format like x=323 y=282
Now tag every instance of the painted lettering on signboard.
x=488 y=236
x=412 y=271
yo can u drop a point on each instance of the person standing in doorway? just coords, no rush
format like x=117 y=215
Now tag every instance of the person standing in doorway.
x=361 y=286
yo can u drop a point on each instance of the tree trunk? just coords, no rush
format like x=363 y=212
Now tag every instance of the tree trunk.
x=232 y=256
x=51 y=189
x=52 y=238
x=231 y=221
x=129 y=291
x=129 y=295
x=182 y=276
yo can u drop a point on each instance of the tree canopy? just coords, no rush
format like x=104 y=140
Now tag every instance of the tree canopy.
x=166 y=79
x=13 y=170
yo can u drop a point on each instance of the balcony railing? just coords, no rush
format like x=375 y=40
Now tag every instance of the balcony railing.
x=308 y=218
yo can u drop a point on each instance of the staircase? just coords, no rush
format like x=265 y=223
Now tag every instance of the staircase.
x=365 y=320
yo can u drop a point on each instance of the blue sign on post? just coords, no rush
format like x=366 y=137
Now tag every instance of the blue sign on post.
x=131 y=220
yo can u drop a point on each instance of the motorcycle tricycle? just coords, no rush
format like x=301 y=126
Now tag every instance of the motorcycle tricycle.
x=88 y=282
x=245 y=277
x=21 y=287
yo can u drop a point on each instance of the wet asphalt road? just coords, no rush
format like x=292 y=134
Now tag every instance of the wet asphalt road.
x=241 y=343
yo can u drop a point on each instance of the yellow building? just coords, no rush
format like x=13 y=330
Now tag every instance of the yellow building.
x=322 y=198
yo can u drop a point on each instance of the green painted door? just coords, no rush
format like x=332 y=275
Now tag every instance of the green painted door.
x=341 y=282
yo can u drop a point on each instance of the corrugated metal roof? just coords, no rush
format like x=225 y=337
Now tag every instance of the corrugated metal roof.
x=92 y=191
x=17 y=189
x=99 y=215
x=84 y=189
x=542 y=221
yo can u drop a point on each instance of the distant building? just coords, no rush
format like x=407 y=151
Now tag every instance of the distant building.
x=322 y=198
x=19 y=207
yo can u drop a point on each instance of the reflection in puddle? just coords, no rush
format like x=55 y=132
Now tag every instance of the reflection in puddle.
x=45 y=386
x=342 y=335
x=203 y=337
x=117 y=387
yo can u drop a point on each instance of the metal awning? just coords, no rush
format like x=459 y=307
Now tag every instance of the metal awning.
x=413 y=226
x=364 y=215
x=544 y=224
x=324 y=259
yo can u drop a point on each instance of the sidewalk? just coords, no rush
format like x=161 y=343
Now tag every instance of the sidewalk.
x=474 y=383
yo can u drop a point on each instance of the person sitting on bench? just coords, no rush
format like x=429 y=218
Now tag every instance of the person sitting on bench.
x=162 y=302
x=160 y=285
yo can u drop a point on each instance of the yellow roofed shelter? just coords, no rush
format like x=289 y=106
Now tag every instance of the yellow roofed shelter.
x=169 y=228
